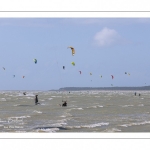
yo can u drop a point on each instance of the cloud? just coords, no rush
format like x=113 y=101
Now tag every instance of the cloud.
x=107 y=37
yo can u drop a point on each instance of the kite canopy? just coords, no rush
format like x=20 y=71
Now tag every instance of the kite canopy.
x=63 y=67
x=23 y=76
x=73 y=63
x=13 y=75
x=35 y=61
x=3 y=68
x=80 y=72
x=90 y=73
x=112 y=76
x=73 y=50
x=101 y=76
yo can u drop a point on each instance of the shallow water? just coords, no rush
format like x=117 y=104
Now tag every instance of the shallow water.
x=87 y=111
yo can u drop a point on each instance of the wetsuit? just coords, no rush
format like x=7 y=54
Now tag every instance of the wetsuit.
x=36 y=100
x=64 y=104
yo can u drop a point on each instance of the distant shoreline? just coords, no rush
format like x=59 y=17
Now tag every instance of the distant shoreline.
x=104 y=88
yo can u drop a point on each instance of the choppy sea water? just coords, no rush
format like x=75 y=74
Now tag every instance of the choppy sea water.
x=87 y=111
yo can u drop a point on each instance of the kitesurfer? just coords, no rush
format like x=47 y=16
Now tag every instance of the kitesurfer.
x=36 y=99
x=24 y=93
x=135 y=93
x=65 y=103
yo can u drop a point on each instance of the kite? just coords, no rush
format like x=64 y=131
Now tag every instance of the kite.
x=13 y=75
x=101 y=76
x=3 y=68
x=63 y=67
x=35 y=61
x=80 y=72
x=73 y=63
x=90 y=73
x=73 y=50
x=112 y=76
x=23 y=76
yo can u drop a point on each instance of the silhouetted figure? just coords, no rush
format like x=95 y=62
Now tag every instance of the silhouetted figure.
x=135 y=93
x=139 y=94
x=24 y=93
x=36 y=100
x=65 y=103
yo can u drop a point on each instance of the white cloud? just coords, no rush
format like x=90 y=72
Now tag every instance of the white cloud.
x=106 y=37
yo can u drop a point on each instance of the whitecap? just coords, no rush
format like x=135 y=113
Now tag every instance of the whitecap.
x=62 y=116
x=112 y=130
x=127 y=105
x=29 y=97
x=135 y=124
x=16 y=105
x=19 y=117
x=50 y=98
x=58 y=124
x=90 y=125
x=42 y=104
x=56 y=96
x=77 y=108
x=48 y=129
x=141 y=105
x=95 y=106
x=96 y=125
x=39 y=112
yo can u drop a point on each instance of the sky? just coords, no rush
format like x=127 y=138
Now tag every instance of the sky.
x=104 y=47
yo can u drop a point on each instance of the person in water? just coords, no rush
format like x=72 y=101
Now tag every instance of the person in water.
x=65 y=103
x=24 y=93
x=36 y=99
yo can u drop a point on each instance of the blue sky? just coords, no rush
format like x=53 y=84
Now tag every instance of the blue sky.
x=104 y=46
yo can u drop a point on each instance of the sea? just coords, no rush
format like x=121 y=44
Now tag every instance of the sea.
x=86 y=111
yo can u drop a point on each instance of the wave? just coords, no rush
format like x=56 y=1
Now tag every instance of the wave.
x=141 y=105
x=29 y=97
x=127 y=105
x=48 y=130
x=90 y=125
x=112 y=130
x=16 y=105
x=77 y=108
x=42 y=104
x=19 y=117
x=135 y=124
x=97 y=106
x=56 y=96
x=39 y=112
